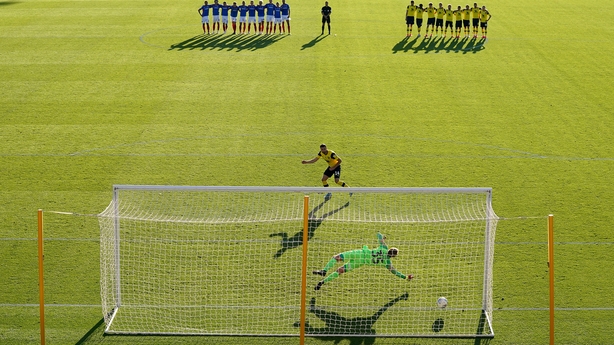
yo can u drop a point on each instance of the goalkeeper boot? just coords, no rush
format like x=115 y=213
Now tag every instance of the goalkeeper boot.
x=319 y=285
x=320 y=273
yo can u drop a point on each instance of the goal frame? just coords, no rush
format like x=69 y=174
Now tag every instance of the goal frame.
x=488 y=247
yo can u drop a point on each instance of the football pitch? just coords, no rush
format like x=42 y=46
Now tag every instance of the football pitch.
x=97 y=93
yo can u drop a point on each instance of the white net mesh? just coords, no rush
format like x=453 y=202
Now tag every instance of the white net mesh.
x=197 y=260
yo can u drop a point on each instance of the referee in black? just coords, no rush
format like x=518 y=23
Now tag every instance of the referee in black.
x=326 y=10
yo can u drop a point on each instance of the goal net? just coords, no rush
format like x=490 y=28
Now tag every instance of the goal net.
x=229 y=261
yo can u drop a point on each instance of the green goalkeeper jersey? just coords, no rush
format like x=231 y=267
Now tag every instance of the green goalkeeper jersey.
x=371 y=257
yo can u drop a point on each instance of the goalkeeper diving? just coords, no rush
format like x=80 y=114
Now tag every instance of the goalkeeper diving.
x=354 y=259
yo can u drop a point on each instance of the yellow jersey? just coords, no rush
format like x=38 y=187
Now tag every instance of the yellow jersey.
x=466 y=14
x=419 y=12
x=476 y=12
x=431 y=12
x=484 y=16
x=411 y=10
x=441 y=12
x=449 y=15
x=331 y=157
x=459 y=14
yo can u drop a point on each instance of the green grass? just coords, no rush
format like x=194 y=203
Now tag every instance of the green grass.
x=96 y=93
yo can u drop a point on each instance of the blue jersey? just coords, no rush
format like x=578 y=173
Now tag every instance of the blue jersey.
x=243 y=10
x=277 y=12
x=285 y=9
x=205 y=9
x=225 y=10
x=270 y=9
x=252 y=10
x=234 y=9
x=260 y=10
x=215 y=9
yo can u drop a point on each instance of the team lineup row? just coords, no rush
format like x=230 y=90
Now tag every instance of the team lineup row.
x=454 y=19
x=277 y=16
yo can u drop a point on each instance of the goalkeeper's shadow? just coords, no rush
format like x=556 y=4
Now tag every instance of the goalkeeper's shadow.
x=338 y=325
x=313 y=224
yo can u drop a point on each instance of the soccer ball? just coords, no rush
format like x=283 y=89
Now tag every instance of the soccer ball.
x=442 y=302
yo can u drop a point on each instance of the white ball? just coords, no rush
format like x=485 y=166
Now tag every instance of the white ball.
x=442 y=302
x=335 y=34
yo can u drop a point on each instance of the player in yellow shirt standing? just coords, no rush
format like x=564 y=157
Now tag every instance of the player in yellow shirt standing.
x=419 y=15
x=484 y=18
x=430 y=19
x=466 y=19
x=449 y=19
x=439 y=20
x=334 y=166
x=475 y=13
x=409 y=17
x=459 y=21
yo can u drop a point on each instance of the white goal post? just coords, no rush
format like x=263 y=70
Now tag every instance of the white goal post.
x=214 y=260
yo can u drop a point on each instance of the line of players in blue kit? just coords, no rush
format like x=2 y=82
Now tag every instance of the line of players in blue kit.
x=275 y=15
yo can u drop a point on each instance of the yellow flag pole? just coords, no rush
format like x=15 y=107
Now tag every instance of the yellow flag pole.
x=551 y=272
x=304 y=267
x=41 y=281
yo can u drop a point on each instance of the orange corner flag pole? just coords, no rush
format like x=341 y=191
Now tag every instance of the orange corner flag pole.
x=551 y=272
x=41 y=282
x=304 y=269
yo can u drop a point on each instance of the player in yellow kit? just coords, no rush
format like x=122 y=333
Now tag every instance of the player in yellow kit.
x=449 y=19
x=410 y=17
x=466 y=19
x=334 y=166
x=484 y=18
x=439 y=19
x=475 y=14
x=430 y=19
x=458 y=14
x=419 y=14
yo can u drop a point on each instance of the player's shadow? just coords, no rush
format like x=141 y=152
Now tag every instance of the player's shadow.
x=439 y=44
x=313 y=42
x=227 y=42
x=312 y=224
x=336 y=324
x=4 y=3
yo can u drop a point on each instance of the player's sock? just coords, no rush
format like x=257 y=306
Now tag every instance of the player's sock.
x=334 y=275
x=329 y=265
x=342 y=184
x=325 y=183
x=319 y=285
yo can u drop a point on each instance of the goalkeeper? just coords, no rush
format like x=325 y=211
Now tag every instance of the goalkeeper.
x=354 y=259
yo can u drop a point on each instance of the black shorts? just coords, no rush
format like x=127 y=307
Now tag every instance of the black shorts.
x=484 y=25
x=430 y=21
x=325 y=19
x=459 y=24
x=439 y=22
x=448 y=24
x=466 y=23
x=409 y=20
x=476 y=21
x=336 y=172
x=419 y=22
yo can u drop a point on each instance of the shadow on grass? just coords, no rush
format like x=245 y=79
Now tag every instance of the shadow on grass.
x=313 y=42
x=337 y=324
x=439 y=44
x=4 y=3
x=227 y=42
x=313 y=223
